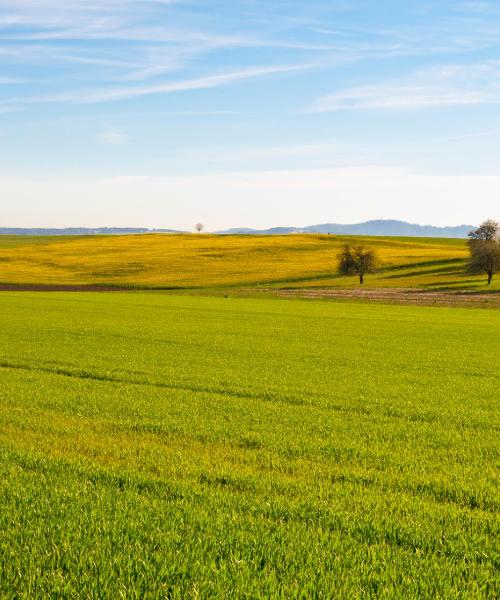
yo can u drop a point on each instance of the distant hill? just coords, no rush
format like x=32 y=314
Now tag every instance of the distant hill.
x=81 y=231
x=378 y=227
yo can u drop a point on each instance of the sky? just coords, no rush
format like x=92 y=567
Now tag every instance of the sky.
x=255 y=113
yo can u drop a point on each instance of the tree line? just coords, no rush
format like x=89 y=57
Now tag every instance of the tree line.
x=484 y=254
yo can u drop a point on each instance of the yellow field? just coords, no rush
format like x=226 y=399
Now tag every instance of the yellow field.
x=198 y=261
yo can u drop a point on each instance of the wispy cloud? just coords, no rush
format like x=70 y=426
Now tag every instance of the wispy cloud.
x=476 y=6
x=11 y=80
x=314 y=153
x=449 y=85
x=142 y=40
x=121 y=93
x=8 y=109
x=114 y=136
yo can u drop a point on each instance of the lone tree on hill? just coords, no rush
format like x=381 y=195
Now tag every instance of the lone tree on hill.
x=199 y=227
x=484 y=248
x=489 y=231
x=357 y=260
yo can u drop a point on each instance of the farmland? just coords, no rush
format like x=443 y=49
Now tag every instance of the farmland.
x=154 y=445
x=210 y=261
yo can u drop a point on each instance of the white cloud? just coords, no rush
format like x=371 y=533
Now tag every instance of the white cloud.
x=113 y=136
x=9 y=109
x=319 y=154
x=11 y=80
x=448 y=85
x=120 y=93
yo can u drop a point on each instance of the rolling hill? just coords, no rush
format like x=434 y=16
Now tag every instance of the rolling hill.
x=172 y=261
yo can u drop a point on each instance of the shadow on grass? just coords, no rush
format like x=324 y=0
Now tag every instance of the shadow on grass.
x=437 y=271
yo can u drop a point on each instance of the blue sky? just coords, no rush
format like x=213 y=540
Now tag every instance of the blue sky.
x=162 y=113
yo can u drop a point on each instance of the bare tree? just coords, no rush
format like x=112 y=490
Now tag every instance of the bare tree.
x=357 y=260
x=199 y=227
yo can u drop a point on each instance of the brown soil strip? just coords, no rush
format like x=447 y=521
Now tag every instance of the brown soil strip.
x=400 y=296
x=59 y=288
x=383 y=295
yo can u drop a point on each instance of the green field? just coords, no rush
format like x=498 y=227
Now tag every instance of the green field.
x=154 y=446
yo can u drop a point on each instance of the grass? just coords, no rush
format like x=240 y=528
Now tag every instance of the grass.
x=190 y=447
x=208 y=261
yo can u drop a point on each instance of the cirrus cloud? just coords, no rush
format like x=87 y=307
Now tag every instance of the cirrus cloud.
x=447 y=85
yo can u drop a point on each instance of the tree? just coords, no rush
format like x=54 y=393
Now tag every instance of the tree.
x=484 y=248
x=199 y=227
x=357 y=260
x=484 y=257
x=489 y=231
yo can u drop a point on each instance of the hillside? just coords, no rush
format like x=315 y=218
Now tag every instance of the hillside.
x=210 y=261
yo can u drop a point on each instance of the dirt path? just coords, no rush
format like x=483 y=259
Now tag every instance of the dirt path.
x=400 y=296
x=383 y=295
x=59 y=288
